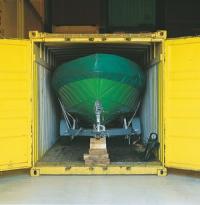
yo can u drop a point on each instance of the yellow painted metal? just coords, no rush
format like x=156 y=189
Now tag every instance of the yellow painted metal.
x=160 y=53
x=15 y=144
x=142 y=168
x=15 y=104
x=145 y=38
x=35 y=112
x=160 y=110
x=182 y=103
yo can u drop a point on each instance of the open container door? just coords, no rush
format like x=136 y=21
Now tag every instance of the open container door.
x=15 y=104
x=182 y=103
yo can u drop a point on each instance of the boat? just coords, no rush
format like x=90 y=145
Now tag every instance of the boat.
x=110 y=83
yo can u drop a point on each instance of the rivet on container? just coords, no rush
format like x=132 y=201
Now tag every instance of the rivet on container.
x=128 y=168
x=67 y=39
x=128 y=39
x=91 y=168
x=105 y=168
x=68 y=168
x=91 y=39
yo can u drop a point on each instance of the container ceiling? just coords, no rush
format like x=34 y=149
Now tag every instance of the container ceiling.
x=66 y=52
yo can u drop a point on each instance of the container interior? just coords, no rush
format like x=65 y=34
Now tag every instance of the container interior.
x=55 y=149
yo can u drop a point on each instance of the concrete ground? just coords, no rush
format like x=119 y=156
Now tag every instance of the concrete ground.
x=176 y=188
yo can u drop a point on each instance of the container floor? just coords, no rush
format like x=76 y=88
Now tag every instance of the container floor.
x=66 y=151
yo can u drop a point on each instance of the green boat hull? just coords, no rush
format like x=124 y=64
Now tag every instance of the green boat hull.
x=114 y=81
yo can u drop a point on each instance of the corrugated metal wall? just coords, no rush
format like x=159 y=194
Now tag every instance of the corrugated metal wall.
x=149 y=108
x=48 y=113
x=131 y=13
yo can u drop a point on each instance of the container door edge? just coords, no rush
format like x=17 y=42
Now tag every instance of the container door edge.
x=16 y=109
x=182 y=103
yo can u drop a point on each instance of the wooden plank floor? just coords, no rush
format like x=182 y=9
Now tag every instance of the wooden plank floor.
x=72 y=151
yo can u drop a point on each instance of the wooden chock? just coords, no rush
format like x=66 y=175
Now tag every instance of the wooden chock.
x=98 y=154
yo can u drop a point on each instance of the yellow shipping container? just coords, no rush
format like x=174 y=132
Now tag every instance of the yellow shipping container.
x=29 y=116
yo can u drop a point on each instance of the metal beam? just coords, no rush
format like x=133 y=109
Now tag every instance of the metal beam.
x=90 y=132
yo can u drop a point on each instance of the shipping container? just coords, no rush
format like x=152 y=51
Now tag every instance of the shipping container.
x=131 y=15
x=30 y=115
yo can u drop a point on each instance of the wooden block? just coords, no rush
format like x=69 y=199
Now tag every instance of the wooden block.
x=86 y=156
x=98 y=143
x=96 y=157
x=92 y=162
x=97 y=151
